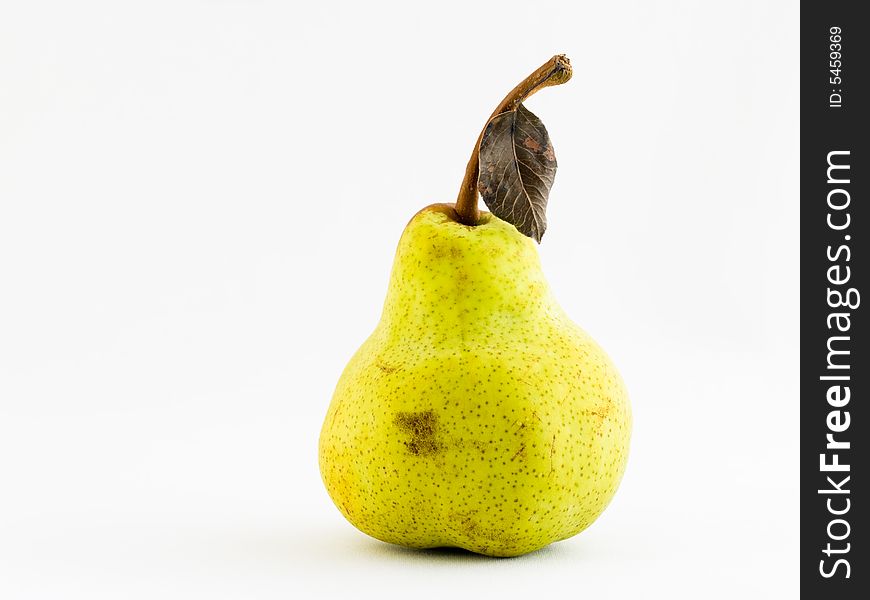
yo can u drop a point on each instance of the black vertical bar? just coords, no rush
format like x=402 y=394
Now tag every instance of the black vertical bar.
x=834 y=366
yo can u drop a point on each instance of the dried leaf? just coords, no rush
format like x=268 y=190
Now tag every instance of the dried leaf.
x=517 y=169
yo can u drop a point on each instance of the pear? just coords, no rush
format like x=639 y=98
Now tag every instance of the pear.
x=477 y=414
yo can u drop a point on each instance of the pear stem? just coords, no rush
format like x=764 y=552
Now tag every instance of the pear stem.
x=555 y=71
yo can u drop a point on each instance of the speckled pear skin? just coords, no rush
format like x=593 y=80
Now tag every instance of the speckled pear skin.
x=477 y=415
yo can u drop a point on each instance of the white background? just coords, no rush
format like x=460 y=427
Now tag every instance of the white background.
x=199 y=204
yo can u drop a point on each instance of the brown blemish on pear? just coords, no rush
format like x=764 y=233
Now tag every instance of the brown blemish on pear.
x=422 y=428
x=387 y=367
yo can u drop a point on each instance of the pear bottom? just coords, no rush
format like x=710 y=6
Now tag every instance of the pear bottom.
x=477 y=415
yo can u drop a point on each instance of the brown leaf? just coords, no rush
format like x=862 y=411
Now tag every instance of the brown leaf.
x=517 y=169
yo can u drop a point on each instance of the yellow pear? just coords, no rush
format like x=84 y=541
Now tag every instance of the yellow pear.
x=477 y=414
